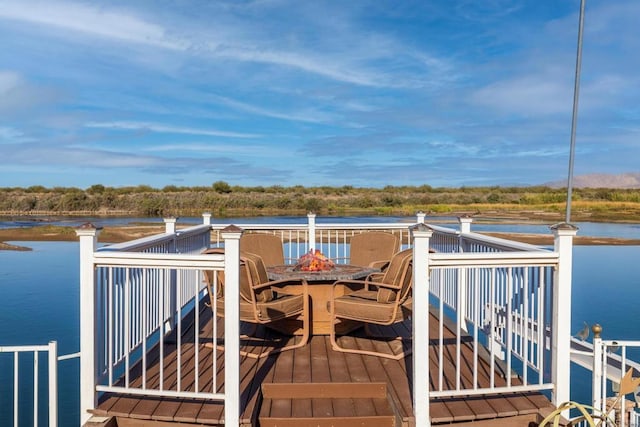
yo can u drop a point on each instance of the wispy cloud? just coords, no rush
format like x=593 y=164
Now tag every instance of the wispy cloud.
x=357 y=64
x=526 y=95
x=92 y=20
x=8 y=134
x=211 y=148
x=8 y=81
x=159 y=128
x=310 y=115
x=288 y=92
x=18 y=95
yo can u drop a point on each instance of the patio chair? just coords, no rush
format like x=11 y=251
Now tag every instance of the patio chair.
x=372 y=249
x=263 y=302
x=268 y=246
x=383 y=302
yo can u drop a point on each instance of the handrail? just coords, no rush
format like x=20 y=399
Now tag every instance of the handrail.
x=493 y=258
x=155 y=240
x=138 y=244
x=499 y=243
x=159 y=260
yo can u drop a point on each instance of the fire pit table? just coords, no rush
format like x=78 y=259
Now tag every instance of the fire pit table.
x=320 y=283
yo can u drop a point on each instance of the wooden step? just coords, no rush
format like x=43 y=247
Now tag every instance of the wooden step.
x=327 y=404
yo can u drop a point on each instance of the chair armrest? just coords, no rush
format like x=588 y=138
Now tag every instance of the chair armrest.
x=352 y=284
x=375 y=277
x=279 y=284
x=380 y=265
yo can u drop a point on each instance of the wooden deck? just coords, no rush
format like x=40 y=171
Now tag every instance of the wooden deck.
x=312 y=385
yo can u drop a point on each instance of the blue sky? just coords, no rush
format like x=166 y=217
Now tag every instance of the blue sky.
x=275 y=92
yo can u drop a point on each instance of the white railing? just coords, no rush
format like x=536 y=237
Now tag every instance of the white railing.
x=333 y=238
x=516 y=303
x=505 y=297
x=137 y=296
x=500 y=303
x=142 y=301
x=190 y=240
x=52 y=369
x=611 y=360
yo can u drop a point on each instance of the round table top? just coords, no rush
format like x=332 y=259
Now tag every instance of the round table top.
x=339 y=272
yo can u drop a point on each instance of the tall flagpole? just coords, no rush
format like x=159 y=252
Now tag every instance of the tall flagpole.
x=574 y=119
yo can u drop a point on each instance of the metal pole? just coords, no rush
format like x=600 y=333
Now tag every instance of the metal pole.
x=574 y=119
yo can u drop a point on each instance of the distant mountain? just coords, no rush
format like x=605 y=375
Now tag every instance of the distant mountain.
x=601 y=180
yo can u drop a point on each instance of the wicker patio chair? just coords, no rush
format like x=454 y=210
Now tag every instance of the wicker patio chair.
x=263 y=302
x=268 y=246
x=383 y=302
x=372 y=249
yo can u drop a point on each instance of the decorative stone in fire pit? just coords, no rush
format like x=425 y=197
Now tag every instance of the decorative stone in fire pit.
x=314 y=261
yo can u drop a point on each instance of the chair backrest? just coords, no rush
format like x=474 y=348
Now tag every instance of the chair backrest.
x=396 y=273
x=268 y=246
x=397 y=279
x=256 y=273
x=372 y=246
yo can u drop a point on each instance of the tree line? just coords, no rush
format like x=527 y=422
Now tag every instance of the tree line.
x=223 y=199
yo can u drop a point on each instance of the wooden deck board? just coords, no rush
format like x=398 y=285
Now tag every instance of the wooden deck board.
x=320 y=372
x=302 y=408
x=394 y=374
x=314 y=363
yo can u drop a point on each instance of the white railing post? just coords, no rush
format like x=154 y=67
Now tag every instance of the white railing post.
x=231 y=236
x=171 y=303
x=421 y=234
x=88 y=235
x=597 y=368
x=420 y=217
x=170 y=225
x=561 y=313
x=312 y=230
x=465 y=227
x=206 y=218
x=53 y=384
x=465 y=224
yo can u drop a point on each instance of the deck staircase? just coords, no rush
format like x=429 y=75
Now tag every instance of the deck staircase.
x=328 y=404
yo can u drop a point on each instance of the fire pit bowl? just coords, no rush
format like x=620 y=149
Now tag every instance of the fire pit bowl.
x=314 y=261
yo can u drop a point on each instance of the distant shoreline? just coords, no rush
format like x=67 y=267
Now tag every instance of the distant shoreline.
x=123 y=233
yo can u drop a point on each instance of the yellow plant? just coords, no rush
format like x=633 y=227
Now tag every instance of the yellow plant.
x=628 y=384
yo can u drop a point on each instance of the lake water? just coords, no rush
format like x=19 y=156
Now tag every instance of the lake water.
x=39 y=300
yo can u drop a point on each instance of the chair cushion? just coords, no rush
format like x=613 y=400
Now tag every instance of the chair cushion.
x=257 y=274
x=363 y=306
x=386 y=295
x=281 y=307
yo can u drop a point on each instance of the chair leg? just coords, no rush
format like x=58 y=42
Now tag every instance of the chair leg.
x=304 y=339
x=335 y=346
